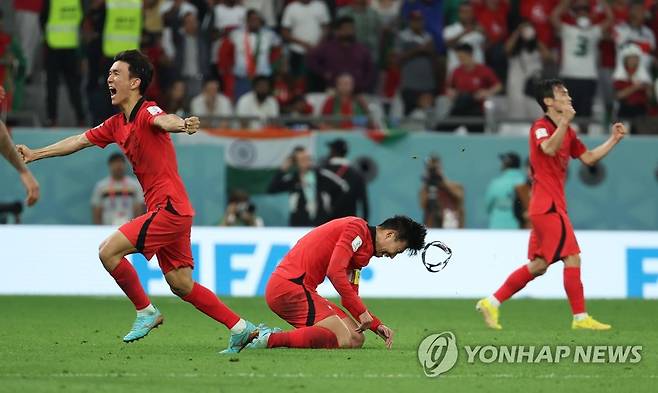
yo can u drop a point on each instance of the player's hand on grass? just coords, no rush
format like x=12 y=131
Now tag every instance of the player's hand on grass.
x=386 y=334
x=618 y=131
x=365 y=320
x=31 y=186
x=26 y=153
x=191 y=125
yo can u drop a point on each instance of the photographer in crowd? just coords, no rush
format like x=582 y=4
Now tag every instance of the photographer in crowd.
x=442 y=200
x=240 y=211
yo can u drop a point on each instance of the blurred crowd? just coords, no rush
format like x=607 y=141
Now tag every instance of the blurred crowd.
x=332 y=64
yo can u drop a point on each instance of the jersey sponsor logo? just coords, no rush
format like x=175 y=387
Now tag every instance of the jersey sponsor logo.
x=355 y=276
x=541 y=133
x=356 y=243
x=154 y=110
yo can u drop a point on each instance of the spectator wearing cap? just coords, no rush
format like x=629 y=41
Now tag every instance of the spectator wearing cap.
x=356 y=192
x=501 y=193
x=117 y=198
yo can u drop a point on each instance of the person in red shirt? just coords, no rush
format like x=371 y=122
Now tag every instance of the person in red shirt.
x=337 y=250
x=141 y=130
x=552 y=143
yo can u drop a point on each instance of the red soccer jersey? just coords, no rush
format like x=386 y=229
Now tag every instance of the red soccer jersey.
x=150 y=152
x=471 y=80
x=549 y=173
x=337 y=250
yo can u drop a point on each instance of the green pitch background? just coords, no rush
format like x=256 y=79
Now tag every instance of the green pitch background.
x=73 y=344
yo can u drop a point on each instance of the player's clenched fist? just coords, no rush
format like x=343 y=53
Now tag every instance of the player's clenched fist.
x=191 y=125
x=25 y=153
x=618 y=131
x=386 y=333
x=365 y=320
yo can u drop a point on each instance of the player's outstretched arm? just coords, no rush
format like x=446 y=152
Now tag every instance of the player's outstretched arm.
x=591 y=157
x=174 y=123
x=9 y=152
x=62 y=148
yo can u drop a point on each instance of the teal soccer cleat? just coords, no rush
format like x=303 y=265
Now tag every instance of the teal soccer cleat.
x=238 y=341
x=260 y=342
x=143 y=325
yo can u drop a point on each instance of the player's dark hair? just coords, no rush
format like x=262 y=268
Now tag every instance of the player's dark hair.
x=544 y=89
x=466 y=48
x=116 y=157
x=139 y=66
x=408 y=230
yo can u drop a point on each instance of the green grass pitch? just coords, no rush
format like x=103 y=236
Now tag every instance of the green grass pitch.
x=73 y=344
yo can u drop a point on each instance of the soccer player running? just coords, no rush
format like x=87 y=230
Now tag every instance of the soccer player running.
x=141 y=130
x=9 y=153
x=337 y=250
x=552 y=143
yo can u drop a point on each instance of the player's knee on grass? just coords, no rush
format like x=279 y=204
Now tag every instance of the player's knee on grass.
x=358 y=339
x=180 y=282
x=537 y=266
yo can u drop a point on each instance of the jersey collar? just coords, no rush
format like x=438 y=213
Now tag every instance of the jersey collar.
x=133 y=113
x=551 y=120
x=373 y=235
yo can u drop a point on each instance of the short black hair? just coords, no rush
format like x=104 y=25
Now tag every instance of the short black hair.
x=544 y=89
x=139 y=66
x=261 y=78
x=343 y=20
x=408 y=230
x=116 y=157
x=464 y=48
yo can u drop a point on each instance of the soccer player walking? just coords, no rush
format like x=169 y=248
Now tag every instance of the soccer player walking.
x=337 y=250
x=552 y=143
x=142 y=130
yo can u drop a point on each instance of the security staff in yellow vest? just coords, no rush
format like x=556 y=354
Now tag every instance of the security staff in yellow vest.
x=123 y=26
x=61 y=20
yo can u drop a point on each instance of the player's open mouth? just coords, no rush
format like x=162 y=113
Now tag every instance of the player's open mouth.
x=113 y=91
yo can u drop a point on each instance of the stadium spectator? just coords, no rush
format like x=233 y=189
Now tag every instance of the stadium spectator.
x=526 y=56
x=635 y=32
x=28 y=30
x=183 y=44
x=229 y=15
x=211 y=103
x=417 y=56
x=342 y=54
x=241 y=212
x=500 y=197
x=176 y=100
x=258 y=103
x=173 y=11
x=297 y=114
x=388 y=11
x=442 y=200
x=608 y=58
x=97 y=64
x=632 y=84
x=252 y=52
x=538 y=13
x=470 y=85
x=267 y=9
x=61 y=19
x=303 y=26
x=432 y=11
x=522 y=200
x=117 y=198
x=424 y=116
x=209 y=34
x=367 y=25
x=311 y=189
x=352 y=109
x=356 y=194
x=580 y=39
x=492 y=17
x=153 y=21
x=12 y=68
x=465 y=31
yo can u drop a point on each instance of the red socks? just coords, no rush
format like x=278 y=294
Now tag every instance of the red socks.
x=514 y=283
x=208 y=303
x=573 y=286
x=306 y=337
x=126 y=276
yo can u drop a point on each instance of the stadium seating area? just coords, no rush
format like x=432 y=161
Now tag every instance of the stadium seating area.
x=398 y=58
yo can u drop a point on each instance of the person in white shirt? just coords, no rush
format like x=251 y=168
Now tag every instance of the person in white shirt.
x=117 y=198
x=268 y=9
x=211 y=103
x=580 y=41
x=258 y=103
x=229 y=15
x=303 y=26
x=465 y=31
x=253 y=45
x=634 y=32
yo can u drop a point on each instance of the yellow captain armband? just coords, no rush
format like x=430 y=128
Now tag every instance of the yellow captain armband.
x=355 y=275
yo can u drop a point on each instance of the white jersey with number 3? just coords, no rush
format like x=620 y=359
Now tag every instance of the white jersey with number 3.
x=579 y=51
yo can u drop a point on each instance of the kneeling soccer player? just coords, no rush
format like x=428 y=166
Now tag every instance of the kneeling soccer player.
x=336 y=250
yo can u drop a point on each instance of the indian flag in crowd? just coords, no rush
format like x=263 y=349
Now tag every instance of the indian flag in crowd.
x=252 y=157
